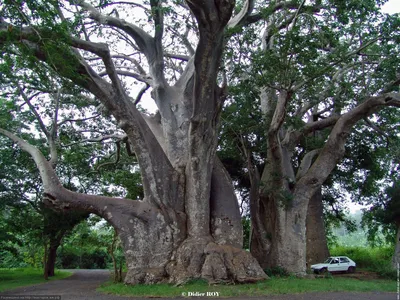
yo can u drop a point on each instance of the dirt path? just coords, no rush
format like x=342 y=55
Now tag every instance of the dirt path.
x=83 y=283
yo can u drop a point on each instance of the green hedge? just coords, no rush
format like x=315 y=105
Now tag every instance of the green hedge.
x=373 y=259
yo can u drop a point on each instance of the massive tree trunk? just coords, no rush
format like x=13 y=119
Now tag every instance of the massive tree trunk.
x=317 y=246
x=188 y=224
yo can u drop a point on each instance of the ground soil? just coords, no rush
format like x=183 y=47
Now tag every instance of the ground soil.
x=83 y=283
x=362 y=275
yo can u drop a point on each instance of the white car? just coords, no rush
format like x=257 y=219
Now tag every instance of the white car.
x=335 y=264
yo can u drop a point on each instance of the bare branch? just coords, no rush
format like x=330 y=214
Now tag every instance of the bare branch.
x=56 y=195
x=117 y=159
x=141 y=93
x=277 y=6
x=376 y=128
x=34 y=111
x=123 y=2
x=184 y=38
x=53 y=132
x=343 y=58
x=99 y=139
x=147 y=44
x=78 y=120
x=138 y=77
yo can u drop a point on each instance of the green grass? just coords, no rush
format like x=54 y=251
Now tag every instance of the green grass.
x=13 y=278
x=273 y=286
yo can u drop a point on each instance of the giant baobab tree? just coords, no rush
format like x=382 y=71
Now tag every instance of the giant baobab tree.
x=188 y=224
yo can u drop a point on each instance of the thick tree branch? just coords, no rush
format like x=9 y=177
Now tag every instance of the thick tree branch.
x=334 y=148
x=50 y=135
x=102 y=51
x=47 y=173
x=148 y=151
x=141 y=93
x=277 y=6
x=306 y=163
x=293 y=137
x=279 y=114
x=58 y=196
x=79 y=72
x=177 y=56
x=242 y=15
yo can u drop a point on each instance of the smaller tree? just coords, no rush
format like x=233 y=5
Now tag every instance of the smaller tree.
x=385 y=215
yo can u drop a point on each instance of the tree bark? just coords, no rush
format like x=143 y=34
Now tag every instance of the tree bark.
x=396 y=254
x=45 y=271
x=317 y=246
x=286 y=236
x=51 y=259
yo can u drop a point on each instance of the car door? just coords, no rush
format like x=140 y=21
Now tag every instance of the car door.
x=344 y=264
x=334 y=266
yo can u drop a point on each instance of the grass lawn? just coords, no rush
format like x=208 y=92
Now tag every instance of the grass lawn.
x=13 y=278
x=273 y=286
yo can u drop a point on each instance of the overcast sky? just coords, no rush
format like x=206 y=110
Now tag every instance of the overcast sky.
x=391 y=7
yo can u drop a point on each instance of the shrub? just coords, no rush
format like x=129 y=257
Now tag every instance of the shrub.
x=373 y=259
x=277 y=272
x=96 y=259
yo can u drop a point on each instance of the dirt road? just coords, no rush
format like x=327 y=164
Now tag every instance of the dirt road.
x=83 y=283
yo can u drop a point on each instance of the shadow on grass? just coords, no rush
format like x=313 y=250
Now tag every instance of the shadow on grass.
x=13 y=278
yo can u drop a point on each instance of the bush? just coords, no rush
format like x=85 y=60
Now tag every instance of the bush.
x=9 y=260
x=277 y=272
x=373 y=259
x=97 y=259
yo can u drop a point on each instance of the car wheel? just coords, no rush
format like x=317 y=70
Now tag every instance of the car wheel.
x=351 y=270
x=323 y=271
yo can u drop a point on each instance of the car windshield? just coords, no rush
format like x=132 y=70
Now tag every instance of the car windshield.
x=328 y=260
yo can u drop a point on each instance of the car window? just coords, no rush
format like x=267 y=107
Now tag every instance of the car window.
x=335 y=261
x=328 y=260
x=344 y=260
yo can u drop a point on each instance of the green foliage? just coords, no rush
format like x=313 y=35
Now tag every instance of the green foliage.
x=246 y=223
x=373 y=259
x=86 y=247
x=68 y=258
x=276 y=272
